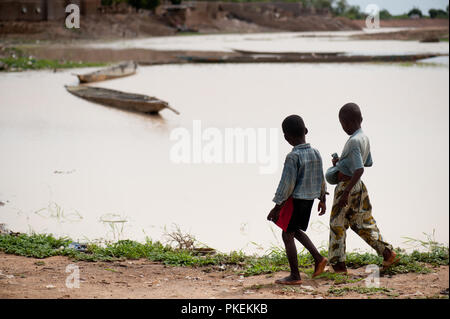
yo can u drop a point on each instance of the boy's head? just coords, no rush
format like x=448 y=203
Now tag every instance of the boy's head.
x=350 y=117
x=294 y=129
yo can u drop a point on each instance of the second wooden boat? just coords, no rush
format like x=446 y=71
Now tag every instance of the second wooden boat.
x=122 y=100
x=308 y=59
x=294 y=54
x=116 y=71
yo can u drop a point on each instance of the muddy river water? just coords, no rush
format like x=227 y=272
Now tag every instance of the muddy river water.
x=71 y=167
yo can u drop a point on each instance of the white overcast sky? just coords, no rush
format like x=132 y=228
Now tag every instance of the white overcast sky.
x=402 y=6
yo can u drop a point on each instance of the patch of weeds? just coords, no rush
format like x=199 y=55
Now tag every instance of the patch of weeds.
x=29 y=63
x=360 y=290
x=275 y=260
x=436 y=297
x=299 y=290
x=110 y=269
x=42 y=246
x=338 y=279
x=292 y=289
x=357 y=260
x=435 y=253
x=437 y=256
x=37 y=246
x=182 y=240
x=262 y=286
x=406 y=267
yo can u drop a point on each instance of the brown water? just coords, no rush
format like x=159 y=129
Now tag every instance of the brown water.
x=70 y=167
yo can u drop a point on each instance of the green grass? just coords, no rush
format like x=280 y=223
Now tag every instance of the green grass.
x=337 y=279
x=43 y=246
x=19 y=63
x=361 y=290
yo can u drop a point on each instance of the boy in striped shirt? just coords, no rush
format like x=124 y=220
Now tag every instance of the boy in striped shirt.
x=302 y=181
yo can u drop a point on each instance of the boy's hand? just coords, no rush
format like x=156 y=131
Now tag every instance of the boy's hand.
x=321 y=208
x=274 y=214
x=343 y=201
x=334 y=160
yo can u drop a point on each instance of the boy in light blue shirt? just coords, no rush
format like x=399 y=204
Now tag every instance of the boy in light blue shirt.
x=351 y=205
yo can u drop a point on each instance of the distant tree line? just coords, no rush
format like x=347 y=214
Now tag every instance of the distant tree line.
x=336 y=7
x=342 y=8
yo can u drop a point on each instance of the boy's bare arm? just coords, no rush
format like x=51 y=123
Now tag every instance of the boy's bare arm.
x=322 y=207
x=355 y=178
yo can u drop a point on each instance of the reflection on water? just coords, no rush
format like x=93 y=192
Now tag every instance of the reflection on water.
x=53 y=210
x=116 y=225
x=71 y=167
x=339 y=41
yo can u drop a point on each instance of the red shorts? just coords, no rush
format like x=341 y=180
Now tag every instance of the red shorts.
x=295 y=214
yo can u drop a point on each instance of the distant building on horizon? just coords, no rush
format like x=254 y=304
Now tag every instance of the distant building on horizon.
x=43 y=10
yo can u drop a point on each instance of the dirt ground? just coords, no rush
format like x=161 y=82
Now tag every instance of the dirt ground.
x=22 y=277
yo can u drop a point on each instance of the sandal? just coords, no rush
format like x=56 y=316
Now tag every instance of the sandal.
x=320 y=268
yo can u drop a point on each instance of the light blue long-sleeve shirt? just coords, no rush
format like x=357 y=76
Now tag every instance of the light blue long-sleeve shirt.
x=302 y=175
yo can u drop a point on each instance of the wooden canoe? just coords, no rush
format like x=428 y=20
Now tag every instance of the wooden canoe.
x=308 y=59
x=122 y=100
x=294 y=54
x=116 y=71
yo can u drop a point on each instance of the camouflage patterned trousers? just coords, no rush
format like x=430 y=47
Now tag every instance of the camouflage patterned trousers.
x=358 y=216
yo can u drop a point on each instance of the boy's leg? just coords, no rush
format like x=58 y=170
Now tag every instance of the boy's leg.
x=320 y=261
x=363 y=223
x=307 y=243
x=338 y=226
x=291 y=252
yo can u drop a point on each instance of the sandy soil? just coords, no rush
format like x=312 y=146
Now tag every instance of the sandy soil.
x=22 y=277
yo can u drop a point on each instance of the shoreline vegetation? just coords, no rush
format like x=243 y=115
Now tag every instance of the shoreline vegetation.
x=35 y=266
x=187 y=255
x=17 y=60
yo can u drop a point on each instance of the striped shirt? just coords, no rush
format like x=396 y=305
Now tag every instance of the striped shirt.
x=302 y=175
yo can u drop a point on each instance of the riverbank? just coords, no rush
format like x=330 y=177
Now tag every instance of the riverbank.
x=432 y=34
x=23 y=54
x=206 y=18
x=23 y=277
x=127 y=269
